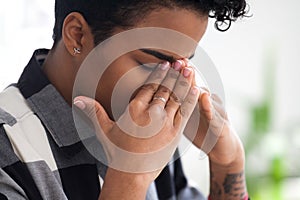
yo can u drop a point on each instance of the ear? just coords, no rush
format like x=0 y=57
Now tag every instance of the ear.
x=76 y=35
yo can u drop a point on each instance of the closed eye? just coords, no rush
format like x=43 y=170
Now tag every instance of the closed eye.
x=161 y=56
x=148 y=66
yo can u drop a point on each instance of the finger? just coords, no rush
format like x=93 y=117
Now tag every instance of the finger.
x=206 y=105
x=211 y=104
x=167 y=85
x=205 y=90
x=187 y=107
x=220 y=109
x=189 y=64
x=185 y=63
x=146 y=92
x=217 y=99
x=94 y=111
x=180 y=90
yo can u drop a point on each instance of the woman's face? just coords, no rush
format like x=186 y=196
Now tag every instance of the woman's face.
x=183 y=21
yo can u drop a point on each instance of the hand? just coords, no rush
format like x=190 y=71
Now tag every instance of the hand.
x=210 y=130
x=228 y=149
x=215 y=135
x=147 y=134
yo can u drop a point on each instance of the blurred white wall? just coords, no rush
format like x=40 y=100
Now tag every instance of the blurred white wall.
x=240 y=54
x=24 y=26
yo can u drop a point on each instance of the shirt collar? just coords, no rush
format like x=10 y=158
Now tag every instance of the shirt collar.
x=46 y=102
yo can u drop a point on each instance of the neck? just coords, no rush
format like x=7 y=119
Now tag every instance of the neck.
x=60 y=69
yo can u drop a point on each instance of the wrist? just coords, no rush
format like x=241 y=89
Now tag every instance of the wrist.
x=235 y=165
x=128 y=185
x=141 y=179
x=233 y=161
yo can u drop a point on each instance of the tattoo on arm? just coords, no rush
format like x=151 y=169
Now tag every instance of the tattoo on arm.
x=215 y=188
x=232 y=187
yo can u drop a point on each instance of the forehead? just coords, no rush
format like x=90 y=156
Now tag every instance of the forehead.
x=183 y=21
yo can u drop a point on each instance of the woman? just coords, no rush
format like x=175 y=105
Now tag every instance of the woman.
x=49 y=160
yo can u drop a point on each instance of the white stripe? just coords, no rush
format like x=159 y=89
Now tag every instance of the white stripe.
x=12 y=101
x=28 y=136
x=101 y=181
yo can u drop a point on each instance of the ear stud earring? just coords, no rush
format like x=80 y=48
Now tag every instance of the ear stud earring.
x=77 y=51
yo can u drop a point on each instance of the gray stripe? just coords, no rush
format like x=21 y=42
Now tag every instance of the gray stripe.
x=46 y=182
x=56 y=114
x=7 y=154
x=57 y=176
x=10 y=188
x=6 y=118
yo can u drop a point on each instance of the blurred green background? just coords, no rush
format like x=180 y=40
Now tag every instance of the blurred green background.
x=272 y=154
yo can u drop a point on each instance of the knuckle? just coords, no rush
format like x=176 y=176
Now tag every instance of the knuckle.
x=169 y=123
x=89 y=112
x=184 y=84
x=137 y=103
x=92 y=112
x=158 y=76
x=164 y=90
x=175 y=98
x=216 y=98
x=173 y=75
x=151 y=87
x=97 y=109
x=190 y=101
x=183 y=112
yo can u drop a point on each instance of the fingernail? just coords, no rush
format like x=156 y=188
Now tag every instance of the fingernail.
x=187 y=72
x=80 y=104
x=205 y=90
x=164 y=66
x=178 y=65
x=195 y=90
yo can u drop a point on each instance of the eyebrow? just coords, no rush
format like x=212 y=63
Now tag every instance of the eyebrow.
x=161 y=56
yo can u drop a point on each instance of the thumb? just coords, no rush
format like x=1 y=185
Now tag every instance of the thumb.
x=94 y=111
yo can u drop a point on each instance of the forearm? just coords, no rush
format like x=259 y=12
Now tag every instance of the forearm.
x=228 y=182
x=124 y=185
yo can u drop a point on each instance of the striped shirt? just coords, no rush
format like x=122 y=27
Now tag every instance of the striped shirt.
x=41 y=154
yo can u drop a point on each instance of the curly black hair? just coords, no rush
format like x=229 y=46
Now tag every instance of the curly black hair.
x=227 y=11
x=103 y=16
